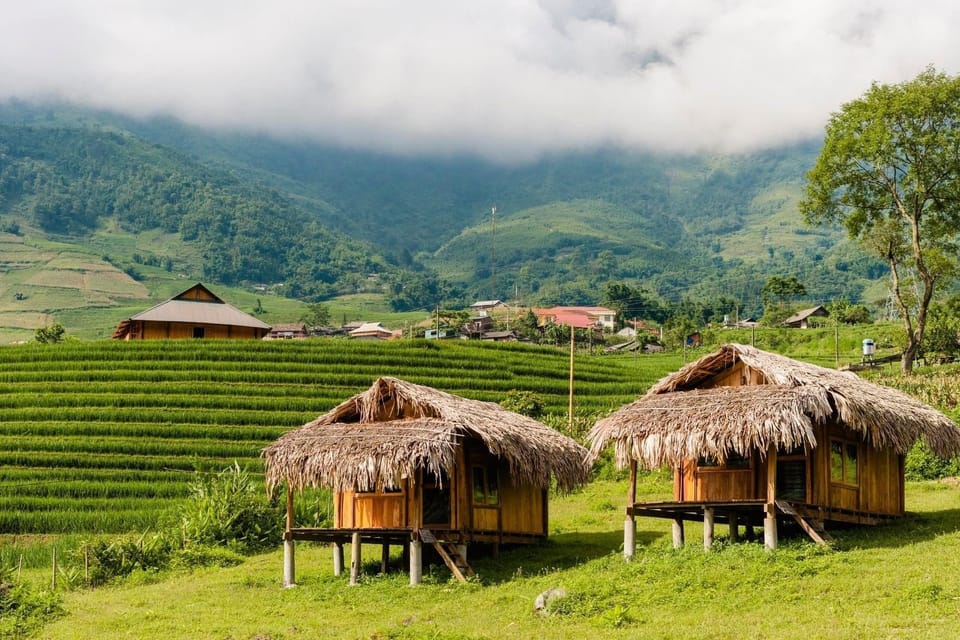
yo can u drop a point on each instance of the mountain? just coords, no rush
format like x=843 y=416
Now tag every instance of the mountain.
x=322 y=220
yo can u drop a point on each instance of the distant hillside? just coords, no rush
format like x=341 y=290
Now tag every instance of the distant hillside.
x=320 y=219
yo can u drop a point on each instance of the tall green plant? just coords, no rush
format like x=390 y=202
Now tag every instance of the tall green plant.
x=229 y=509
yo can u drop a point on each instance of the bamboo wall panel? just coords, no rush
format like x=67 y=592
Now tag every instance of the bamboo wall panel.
x=485 y=518
x=717 y=485
x=378 y=511
x=179 y=331
x=522 y=509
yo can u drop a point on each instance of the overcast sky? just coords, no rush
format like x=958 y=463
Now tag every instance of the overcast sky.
x=505 y=79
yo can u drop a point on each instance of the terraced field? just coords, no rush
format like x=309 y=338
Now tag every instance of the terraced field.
x=105 y=436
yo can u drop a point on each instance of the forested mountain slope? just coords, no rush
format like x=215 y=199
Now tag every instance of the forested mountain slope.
x=322 y=220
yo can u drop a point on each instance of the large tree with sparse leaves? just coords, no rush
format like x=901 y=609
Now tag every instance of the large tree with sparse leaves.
x=889 y=172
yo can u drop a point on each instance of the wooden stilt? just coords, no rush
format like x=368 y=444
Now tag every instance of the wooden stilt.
x=384 y=557
x=734 y=528
x=707 y=528
x=416 y=562
x=337 y=558
x=677 y=533
x=462 y=550
x=770 y=509
x=355 y=558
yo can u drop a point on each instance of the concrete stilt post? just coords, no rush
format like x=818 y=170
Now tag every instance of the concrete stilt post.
x=416 y=562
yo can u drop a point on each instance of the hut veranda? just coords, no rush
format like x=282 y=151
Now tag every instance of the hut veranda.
x=754 y=437
x=409 y=464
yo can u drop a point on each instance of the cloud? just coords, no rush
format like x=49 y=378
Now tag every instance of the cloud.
x=504 y=79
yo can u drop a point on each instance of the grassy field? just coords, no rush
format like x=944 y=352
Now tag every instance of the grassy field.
x=900 y=580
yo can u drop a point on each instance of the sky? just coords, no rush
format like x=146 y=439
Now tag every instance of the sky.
x=506 y=80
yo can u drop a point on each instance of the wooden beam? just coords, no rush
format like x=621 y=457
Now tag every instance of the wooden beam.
x=384 y=557
x=337 y=558
x=677 y=533
x=734 y=527
x=770 y=519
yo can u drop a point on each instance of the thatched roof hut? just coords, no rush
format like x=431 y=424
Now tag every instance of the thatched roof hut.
x=382 y=436
x=743 y=428
x=678 y=420
x=411 y=464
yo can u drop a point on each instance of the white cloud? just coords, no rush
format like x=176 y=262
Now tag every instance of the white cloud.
x=507 y=79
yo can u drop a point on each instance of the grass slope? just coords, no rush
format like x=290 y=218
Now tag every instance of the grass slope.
x=893 y=581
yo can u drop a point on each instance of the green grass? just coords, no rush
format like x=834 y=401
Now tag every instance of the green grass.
x=892 y=581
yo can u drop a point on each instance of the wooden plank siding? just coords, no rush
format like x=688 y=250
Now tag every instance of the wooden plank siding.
x=878 y=489
x=521 y=510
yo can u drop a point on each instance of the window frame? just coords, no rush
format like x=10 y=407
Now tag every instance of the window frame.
x=845 y=447
x=489 y=494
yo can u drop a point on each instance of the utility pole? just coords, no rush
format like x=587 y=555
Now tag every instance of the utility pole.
x=493 y=254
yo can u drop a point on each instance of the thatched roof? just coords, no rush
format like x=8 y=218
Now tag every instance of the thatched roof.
x=395 y=427
x=682 y=417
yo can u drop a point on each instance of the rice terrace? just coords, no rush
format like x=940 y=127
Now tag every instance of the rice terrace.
x=105 y=439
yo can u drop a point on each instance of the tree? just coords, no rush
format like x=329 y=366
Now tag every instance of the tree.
x=49 y=335
x=889 y=172
x=316 y=315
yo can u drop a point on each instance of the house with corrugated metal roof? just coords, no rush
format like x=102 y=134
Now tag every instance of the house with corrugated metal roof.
x=194 y=313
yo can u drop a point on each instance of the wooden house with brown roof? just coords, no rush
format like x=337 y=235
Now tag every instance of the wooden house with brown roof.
x=754 y=437
x=194 y=313
x=409 y=464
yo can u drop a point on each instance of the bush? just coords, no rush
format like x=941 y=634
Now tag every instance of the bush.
x=923 y=464
x=526 y=403
x=23 y=610
x=122 y=556
x=229 y=509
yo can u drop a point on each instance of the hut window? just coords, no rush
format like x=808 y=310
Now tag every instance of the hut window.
x=843 y=462
x=198 y=332
x=485 y=487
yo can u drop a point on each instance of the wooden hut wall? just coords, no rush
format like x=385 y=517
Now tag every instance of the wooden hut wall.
x=843 y=473
x=696 y=483
x=514 y=508
x=371 y=510
x=878 y=483
x=178 y=330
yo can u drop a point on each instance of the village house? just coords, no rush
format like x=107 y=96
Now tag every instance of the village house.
x=290 y=331
x=578 y=317
x=194 y=313
x=800 y=320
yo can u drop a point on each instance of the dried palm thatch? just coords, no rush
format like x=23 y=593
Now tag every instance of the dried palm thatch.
x=383 y=435
x=683 y=417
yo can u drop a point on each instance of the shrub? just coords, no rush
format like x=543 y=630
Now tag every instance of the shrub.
x=525 y=403
x=923 y=464
x=110 y=559
x=23 y=610
x=229 y=509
